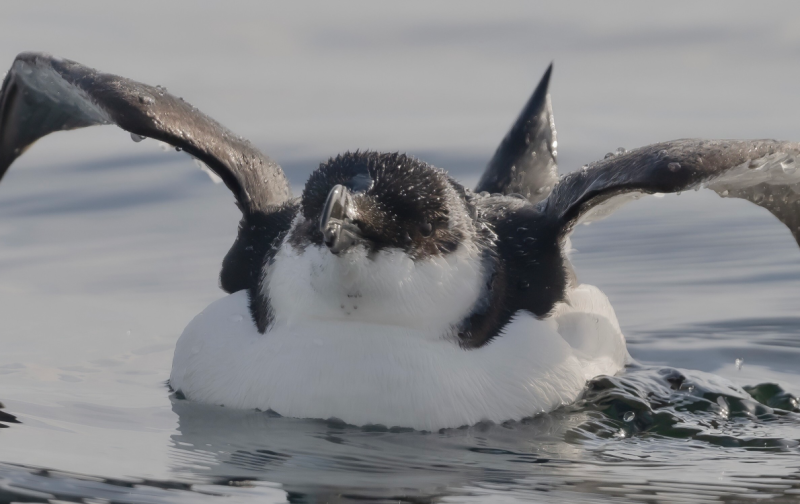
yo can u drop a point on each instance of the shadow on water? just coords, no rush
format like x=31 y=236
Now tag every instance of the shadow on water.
x=648 y=433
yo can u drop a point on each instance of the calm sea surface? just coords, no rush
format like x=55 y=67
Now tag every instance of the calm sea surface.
x=108 y=248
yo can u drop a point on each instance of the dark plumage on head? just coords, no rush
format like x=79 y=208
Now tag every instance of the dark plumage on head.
x=393 y=201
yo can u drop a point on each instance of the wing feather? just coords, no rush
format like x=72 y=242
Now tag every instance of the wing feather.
x=763 y=172
x=525 y=161
x=42 y=94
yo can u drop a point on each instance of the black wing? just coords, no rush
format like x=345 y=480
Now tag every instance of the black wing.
x=525 y=161
x=764 y=172
x=42 y=94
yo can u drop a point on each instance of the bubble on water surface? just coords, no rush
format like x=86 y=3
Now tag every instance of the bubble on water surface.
x=629 y=416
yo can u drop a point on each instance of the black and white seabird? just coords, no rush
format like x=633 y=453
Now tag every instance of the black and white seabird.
x=388 y=293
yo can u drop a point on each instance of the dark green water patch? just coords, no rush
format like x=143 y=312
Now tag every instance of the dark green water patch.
x=680 y=404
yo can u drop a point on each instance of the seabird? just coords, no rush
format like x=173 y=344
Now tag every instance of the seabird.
x=388 y=293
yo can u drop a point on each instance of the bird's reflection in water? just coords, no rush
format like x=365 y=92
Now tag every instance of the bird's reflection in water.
x=317 y=460
x=645 y=419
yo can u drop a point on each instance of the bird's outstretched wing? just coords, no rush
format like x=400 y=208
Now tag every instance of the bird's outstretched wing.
x=42 y=94
x=525 y=161
x=764 y=172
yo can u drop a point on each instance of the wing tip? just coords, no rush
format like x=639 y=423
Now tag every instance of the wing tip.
x=544 y=83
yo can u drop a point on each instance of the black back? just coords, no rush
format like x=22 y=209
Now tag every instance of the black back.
x=525 y=267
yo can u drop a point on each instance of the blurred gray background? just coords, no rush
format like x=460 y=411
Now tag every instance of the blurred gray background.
x=305 y=80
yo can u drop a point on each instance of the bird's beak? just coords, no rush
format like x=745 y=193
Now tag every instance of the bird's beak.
x=339 y=233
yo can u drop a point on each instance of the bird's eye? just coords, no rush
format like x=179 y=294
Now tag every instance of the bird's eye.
x=426 y=229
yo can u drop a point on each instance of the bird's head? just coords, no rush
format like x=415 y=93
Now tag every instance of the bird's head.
x=379 y=201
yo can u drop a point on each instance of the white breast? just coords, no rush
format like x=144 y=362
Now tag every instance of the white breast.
x=394 y=374
x=388 y=288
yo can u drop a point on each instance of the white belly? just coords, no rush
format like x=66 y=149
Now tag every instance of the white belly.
x=365 y=373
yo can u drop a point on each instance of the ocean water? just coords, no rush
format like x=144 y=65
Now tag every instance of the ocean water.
x=108 y=248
